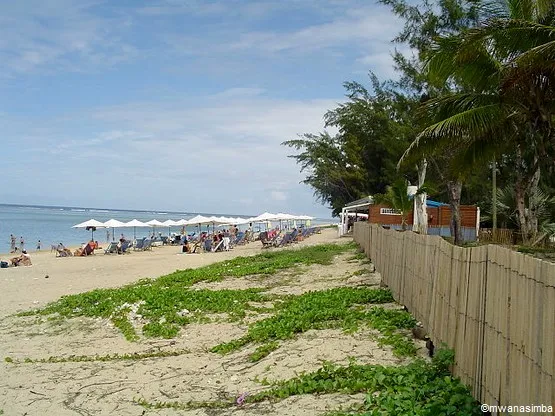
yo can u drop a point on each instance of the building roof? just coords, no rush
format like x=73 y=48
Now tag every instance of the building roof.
x=435 y=204
x=360 y=202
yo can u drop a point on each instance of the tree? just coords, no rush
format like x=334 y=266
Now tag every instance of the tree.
x=507 y=104
x=361 y=158
x=423 y=23
x=397 y=197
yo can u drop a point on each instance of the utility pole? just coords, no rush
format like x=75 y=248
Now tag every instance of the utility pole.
x=494 y=199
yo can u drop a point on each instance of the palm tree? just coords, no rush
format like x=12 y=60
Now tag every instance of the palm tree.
x=397 y=197
x=505 y=104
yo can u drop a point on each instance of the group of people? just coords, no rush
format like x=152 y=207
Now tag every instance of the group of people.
x=13 y=244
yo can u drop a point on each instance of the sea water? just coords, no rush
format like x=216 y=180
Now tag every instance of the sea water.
x=52 y=225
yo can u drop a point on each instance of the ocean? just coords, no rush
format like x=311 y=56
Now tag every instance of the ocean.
x=52 y=225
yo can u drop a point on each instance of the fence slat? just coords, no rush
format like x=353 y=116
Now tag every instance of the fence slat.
x=494 y=306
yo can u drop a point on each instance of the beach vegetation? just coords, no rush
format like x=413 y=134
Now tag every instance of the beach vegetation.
x=161 y=307
x=107 y=357
x=418 y=388
x=333 y=308
x=473 y=102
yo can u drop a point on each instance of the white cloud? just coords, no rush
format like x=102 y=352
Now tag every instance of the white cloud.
x=59 y=35
x=219 y=154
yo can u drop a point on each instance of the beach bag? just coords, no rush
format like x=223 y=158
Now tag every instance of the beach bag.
x=3 y=264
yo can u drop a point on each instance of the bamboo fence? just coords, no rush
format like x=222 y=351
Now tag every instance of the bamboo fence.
x=493 y=306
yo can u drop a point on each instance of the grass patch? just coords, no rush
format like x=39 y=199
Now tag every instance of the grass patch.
x=161 y=302
x=419 y=388
x=332 y=308
x=108 y=357
x=263 y=351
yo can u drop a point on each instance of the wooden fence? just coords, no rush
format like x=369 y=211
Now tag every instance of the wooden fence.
x=493 y=306
x=501 y=236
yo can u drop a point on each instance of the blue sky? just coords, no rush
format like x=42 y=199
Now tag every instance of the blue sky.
x=175 y=104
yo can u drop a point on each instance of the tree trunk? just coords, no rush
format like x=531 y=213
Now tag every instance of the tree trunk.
x=420 y=214
x=454 y=188
x=526 y=187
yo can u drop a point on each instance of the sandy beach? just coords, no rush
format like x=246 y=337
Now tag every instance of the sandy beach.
x=25 y=288
x=113 y=387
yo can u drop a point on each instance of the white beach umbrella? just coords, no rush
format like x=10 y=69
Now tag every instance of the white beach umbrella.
x=135 y=223
x=91 y=224
x=112 y=223
x=198 y=220
x=265 y=217
x=169 y=224
x=155 y=223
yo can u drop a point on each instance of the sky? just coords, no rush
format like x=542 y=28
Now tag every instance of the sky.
x=178 y=105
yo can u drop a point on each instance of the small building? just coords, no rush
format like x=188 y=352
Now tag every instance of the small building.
x=439 y=217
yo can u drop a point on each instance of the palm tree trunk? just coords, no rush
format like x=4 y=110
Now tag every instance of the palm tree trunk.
x=421 y=216
x=454 y=188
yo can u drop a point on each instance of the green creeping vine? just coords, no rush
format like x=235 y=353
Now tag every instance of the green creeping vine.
x=108 y=357
x=420 y=388
x=332 y=308
x=166 y=304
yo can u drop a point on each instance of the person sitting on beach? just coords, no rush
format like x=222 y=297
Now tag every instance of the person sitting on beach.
x=23 y=260
x=62 y=250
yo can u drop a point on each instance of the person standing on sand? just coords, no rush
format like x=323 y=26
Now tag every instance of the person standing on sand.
x=38 y=245
x=21 y=244
x=12 y=243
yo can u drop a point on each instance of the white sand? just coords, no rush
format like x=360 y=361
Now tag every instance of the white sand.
x=109 y=388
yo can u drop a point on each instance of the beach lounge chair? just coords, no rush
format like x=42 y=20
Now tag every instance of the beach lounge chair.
x=112 y=248
x=207 y=245
x=139 y=244
x=124 y=248
x=266 y=242
x=147 y=245
x=219 y=246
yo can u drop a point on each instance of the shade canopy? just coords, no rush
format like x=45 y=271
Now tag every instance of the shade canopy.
x=155 y=223
x=170 y=223
x=90 y=223
x=264 y=217
x=112 y=223
x=199 y=219
x=135 y=223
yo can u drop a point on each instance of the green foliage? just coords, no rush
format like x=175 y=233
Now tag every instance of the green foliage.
x=419 y=388
x=332 y=308
x=167 y=304
x=190 y=405
x=361 y=159
x=264 y=351
x=108 y=357
x=397 y=198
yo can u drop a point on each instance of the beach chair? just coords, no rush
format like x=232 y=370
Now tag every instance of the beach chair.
x=266 y=242
x=112 y=248
x=147 y=245
x=207 y=245
x=139 y=244
x=124 y=247
x=218 y=247
x=239 y=239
